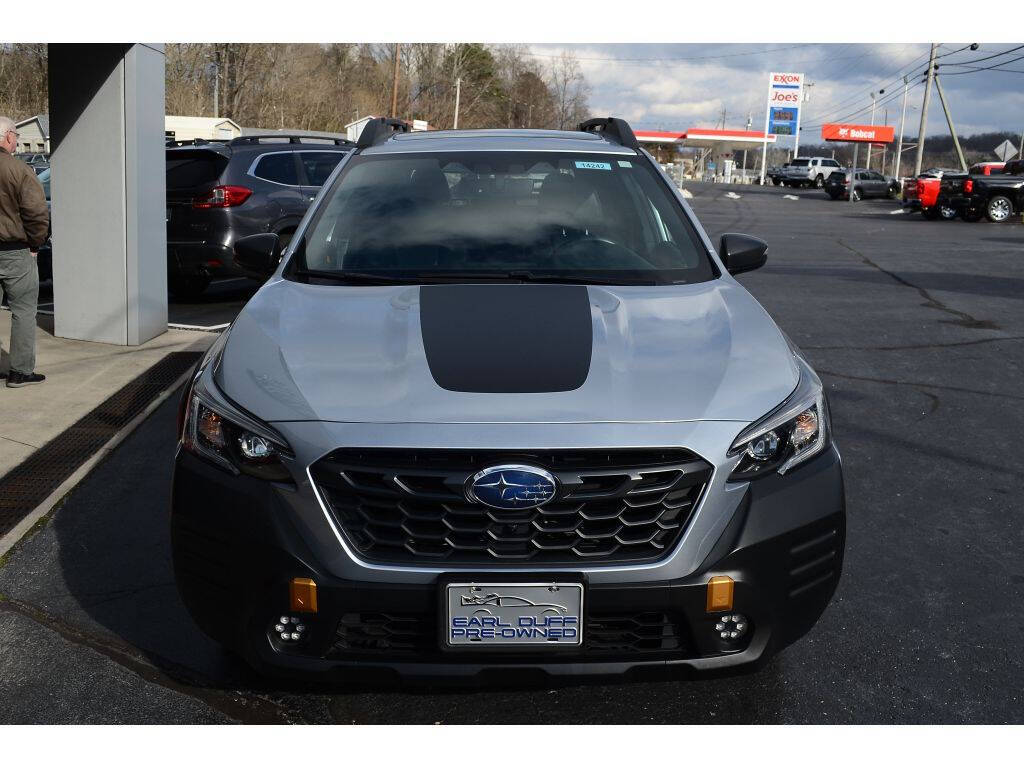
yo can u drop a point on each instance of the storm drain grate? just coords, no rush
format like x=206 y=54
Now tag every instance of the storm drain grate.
x=28 y=484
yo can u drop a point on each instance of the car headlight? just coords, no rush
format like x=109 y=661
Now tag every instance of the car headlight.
x=788 y=436
x=213 y=436
x=215 y=429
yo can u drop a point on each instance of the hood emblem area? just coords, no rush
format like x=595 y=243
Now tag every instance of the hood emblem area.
x=512 y=486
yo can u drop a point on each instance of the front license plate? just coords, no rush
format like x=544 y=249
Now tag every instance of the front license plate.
x=483 y=615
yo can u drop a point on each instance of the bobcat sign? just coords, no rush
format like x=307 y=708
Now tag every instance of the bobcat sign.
x=874 y=134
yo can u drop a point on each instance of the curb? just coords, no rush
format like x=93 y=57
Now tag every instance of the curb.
x=12 y=537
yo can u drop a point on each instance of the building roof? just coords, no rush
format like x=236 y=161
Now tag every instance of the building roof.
x=210 y=122
x=43 y=120
x=250 y=131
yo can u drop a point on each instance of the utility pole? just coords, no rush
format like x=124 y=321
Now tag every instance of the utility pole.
x=874 y=98
x=750 y=120
x=949 y=122
x=924 y=111
x=458 y=92
x=799 y=114
x=216 y=83
x=903 y=122
x=394 y=84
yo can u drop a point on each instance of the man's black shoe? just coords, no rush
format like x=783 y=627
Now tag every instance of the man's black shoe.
x=16 y=379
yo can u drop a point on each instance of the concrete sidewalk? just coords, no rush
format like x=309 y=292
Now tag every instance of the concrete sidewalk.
x=79 y=376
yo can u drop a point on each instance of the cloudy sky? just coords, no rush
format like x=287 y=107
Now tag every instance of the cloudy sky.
x=661 y=86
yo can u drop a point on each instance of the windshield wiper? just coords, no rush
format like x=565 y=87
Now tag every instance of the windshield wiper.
x=529 y=277
x=420 y=278
x=368 y=278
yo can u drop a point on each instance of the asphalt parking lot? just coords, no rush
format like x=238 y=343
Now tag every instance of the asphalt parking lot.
x=917 y=329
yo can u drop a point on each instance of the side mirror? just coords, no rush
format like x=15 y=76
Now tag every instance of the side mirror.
x=258 y=255
x=742 y=253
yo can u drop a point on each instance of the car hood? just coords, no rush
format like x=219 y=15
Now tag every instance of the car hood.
x=505 y=353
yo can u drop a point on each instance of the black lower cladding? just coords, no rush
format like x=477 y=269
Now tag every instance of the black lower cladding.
x=634 y=633
x=235 y=548
x=507 y=338
x=612 y=506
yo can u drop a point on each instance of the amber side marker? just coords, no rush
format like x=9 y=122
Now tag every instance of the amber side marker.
x=719 y=594
x=303 y=595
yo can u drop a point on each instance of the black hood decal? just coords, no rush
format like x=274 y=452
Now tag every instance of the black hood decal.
x=507 y=338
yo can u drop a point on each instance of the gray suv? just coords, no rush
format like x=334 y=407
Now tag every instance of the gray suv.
x=501 y=405
x=219 y=191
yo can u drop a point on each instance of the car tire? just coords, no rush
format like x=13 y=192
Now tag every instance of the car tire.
x=999 y=209
x=819 y=181
x=189 y=287
x=777 y=182
x=856 y=195
x=930 y=213
x=946 y=213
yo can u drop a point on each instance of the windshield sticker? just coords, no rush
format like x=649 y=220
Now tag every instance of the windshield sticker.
x=625 y=164
x=590 y=165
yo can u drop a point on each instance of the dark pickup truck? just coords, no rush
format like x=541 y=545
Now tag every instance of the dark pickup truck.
x=996 y=195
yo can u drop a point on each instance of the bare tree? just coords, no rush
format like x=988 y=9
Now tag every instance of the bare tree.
x=570 y=91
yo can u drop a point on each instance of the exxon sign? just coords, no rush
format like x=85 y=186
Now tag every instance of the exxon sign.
x=785 y=94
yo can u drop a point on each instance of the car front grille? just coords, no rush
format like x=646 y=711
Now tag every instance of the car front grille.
x=412 y=635
x=613 y=506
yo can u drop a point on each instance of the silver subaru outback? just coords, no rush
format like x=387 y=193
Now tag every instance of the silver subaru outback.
x=501 y=406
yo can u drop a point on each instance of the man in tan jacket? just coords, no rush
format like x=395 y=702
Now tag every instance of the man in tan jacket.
x=24 y=223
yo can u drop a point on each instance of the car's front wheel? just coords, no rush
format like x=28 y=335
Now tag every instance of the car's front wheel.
x=819 y=181
x=947 y=213
x=856 y=195
x=999 y=209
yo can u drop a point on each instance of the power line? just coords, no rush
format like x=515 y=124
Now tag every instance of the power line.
x=973 y=70
x=838 y=106
x=624 y=59
x=983 y=58
x=910 y=68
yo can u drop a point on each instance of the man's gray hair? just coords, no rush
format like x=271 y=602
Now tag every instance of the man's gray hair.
x=6 y=124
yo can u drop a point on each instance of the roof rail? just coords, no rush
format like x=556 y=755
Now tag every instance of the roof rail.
x=291 y=139
x=192 y=142
x=379 y=130
x=613 y=129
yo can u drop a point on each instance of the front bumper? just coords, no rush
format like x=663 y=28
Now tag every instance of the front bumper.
x=236 y=547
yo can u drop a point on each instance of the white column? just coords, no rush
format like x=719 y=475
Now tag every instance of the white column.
x=108 y=190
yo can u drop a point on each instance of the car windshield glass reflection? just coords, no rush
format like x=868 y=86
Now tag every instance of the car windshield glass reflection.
x=503 y=215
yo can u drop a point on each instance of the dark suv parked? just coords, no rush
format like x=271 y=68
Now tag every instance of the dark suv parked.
x=218 y=192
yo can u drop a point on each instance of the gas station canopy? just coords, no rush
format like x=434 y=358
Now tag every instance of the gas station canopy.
x=717 y=140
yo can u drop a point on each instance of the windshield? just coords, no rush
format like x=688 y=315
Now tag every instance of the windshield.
x=502 y=215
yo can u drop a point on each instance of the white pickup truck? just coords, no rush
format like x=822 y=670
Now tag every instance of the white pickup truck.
x=809 y=171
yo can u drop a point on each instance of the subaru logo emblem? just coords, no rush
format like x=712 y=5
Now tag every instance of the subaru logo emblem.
x=512 y=486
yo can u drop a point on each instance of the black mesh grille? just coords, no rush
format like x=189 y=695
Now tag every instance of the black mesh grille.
x=415 y=635
x=409 y=506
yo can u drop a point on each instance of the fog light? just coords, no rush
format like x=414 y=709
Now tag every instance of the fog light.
x=719 y=594
x=290 y=629
x=303 y=595
x=732 y=626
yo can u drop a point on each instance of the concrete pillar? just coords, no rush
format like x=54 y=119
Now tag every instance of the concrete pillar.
x=108 y=192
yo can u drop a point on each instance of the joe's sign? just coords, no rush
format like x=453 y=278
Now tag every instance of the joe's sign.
x=785 y=92
x=882 y=134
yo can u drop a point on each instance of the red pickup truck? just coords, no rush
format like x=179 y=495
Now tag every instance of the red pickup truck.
x=922 y=194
